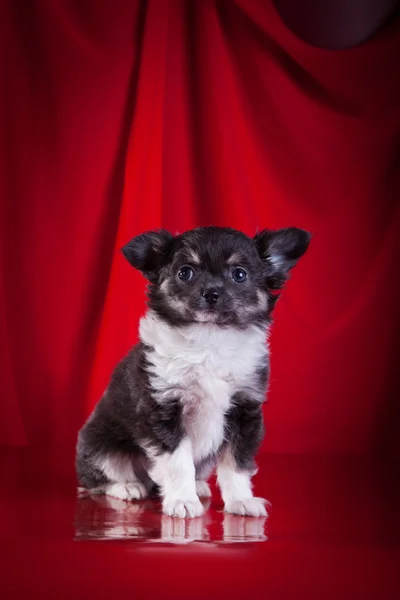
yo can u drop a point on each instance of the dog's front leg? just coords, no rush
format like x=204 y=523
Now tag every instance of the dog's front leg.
x=236 y=461
x=174 y=472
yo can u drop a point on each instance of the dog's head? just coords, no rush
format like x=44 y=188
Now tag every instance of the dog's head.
x=215 y=274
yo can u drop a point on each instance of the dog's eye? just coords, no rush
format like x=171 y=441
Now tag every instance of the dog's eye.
x=239 y=275
x=185 y=273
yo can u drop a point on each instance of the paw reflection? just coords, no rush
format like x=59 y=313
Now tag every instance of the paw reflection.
x=108 y=518
x=183 y=531
x=243 y=529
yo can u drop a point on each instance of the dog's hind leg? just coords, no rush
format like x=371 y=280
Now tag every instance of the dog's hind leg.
x=112 y=474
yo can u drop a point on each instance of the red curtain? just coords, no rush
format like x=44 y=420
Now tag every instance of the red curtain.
x=119 y=116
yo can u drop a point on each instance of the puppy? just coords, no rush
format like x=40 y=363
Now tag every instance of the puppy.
x=188 y=397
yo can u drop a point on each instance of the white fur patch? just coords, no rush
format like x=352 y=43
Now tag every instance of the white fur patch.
x=123 y=481
x=262 y=300
x=175 y=474
x=204 y=366
x=183 y=508
x=276 y=260
x=116 y=467
x=123 y=491
x=251 y=507
x=236 y=489
x=234 y=259
x=194 y=257
x=203 y=489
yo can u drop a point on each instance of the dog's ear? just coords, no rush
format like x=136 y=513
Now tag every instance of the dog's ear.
x=281 y=248
x=147 y=251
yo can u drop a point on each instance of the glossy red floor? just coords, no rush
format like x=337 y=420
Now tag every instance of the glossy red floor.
x=333 y=532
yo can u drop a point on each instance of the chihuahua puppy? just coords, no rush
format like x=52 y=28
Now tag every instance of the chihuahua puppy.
x=188 y=397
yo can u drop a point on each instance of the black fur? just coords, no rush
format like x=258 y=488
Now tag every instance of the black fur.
x=244 y=430
x=147 y=252
x=128 y=416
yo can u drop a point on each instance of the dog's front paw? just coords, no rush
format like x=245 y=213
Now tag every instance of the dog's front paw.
x=203 y=489
x=251 y=507
x=183 y=508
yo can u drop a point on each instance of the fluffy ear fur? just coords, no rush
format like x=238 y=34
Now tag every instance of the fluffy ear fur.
x=146 y=251
x=281 y=248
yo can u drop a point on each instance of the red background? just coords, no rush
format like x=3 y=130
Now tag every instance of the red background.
x=120 y=116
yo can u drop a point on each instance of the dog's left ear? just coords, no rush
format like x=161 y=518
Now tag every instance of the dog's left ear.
x=147 y=251
x=282 y=248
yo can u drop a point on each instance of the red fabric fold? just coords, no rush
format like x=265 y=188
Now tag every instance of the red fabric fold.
x=120 y=117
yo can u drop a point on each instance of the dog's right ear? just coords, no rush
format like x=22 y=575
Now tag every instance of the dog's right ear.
x=146 y=251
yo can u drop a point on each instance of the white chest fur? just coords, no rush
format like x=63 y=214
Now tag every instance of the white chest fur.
x=202 y=365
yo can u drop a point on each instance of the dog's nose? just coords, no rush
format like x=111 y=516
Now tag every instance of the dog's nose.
x=211 y=296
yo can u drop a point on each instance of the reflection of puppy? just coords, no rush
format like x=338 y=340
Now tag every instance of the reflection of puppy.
x=188 y=397
x=178 y=531
x=241 y=529
x=109 y=518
